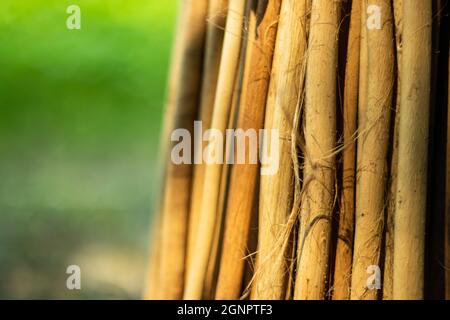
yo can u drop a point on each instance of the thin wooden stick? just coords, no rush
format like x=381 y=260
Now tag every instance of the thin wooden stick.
x=277 y=191
x=388 y=281
x=344 y=249
x=178 y=177
x=410 y=215
x=229 y=62
x=373 y=145
x=243 y=181
x=229 y=283
x=214 y=39
x=320 y=141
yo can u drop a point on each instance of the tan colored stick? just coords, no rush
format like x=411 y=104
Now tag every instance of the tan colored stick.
x=344 y=249
x=410 y=215
x=388 y=281
x=373 y=145
x=243 y=181
x=229 y=284
x=277 y=190
x=217 y=10
x=229 y=62
x=320 y=142
x=178 y=177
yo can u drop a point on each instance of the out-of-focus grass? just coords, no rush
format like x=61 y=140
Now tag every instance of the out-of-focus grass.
x=80 y=114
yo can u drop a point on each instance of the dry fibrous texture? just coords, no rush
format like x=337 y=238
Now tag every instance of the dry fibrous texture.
x=197 y=270
x=344 y=248
x=410 y=213
x=277 y=213
x=319 y=152
x=176 y=199
x=216 y=20
x=372 y=149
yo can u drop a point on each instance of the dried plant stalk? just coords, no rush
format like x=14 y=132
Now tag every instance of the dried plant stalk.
x=277 y=191
x=243 y=180
x=410 y=215
x=373 y=145
x=389 y=236
x=230 y=57
x=214 y=39
x=344 y=248
x=320 y=141
x=178 y=177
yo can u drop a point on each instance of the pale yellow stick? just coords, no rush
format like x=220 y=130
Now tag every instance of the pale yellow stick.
x=373 y=145
x=320 y=142
x=277 y=189
x=344 y=249
x=230 y=57
x=216 y=19
x=389 y=241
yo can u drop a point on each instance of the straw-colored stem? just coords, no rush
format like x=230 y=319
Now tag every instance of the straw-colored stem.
x=208 y=212
x=243 y=180
x=320 y=142
x=178 y=177
x=216 y=19
x=410 y=215
x=388 y=281
x=344 y=248
x=373 y=146
x=276 y=195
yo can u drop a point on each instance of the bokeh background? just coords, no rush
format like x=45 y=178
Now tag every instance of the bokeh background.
x=80 y=116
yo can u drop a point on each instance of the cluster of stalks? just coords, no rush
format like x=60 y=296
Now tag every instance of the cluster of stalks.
x=359 y=207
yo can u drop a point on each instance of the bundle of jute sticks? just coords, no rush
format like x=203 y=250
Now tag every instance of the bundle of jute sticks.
x=358 y=207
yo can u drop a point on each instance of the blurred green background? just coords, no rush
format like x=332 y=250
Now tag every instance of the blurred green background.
x=80 y=115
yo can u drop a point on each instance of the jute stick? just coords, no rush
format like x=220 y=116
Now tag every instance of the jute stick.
x=216 y=19
x=373 y=145
x=389 y=235
x=320 y=142
x=344 y=249
x=277 y=190
x=178 y=177
x=410 y=215
x=243 y=181
x=229 y=283
x=222 y=104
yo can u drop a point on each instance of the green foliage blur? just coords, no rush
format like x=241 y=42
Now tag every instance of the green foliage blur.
x=80 y=116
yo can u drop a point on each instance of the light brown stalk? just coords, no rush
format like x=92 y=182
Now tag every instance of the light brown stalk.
x=320 y=142
x=277 y=190
x=229 y=284
x=373 y=145
x=243 y=180
x=344 y=249
x=410 y=215
x=178 y=177
x=216 y=19
x=208 y=214
x=389 y=236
